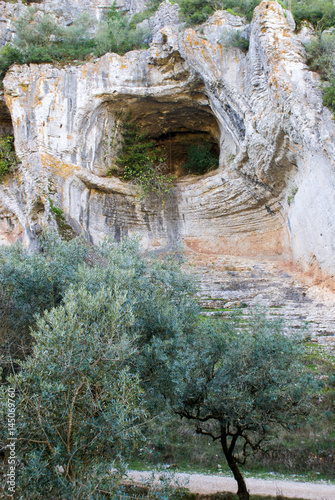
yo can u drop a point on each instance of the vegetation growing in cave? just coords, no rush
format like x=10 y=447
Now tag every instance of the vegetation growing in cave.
x=200 y=159
x=141 y=161
x=8 y=158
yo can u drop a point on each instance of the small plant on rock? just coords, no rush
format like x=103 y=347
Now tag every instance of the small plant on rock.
x=234 y=39
x=290 y=198
x=8 y=158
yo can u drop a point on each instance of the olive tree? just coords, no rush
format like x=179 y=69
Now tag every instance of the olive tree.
x=30 y=283
x=80 y=394
x=78 y=406
x=237 y=382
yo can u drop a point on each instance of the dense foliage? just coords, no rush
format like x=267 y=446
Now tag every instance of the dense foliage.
x=40 y=39
x=141 y=161
x=31 y=283
x=8 y=158
x=78 y=399
x=200 y=159
x=320 y=13
x=78 y=405
x=118 y=34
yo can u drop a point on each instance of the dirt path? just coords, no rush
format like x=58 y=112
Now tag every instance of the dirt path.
x=201 y=483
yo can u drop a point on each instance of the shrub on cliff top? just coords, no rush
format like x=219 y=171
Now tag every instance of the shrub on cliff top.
x=118 y=34
x=78 y=395
x=320 y=13
x=39 y=39
x=197 y=11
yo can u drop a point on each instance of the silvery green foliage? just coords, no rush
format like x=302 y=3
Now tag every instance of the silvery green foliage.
x=83 y=393
x=31 y=283
x=118 y=34
x=237 y=381
x=78 y=405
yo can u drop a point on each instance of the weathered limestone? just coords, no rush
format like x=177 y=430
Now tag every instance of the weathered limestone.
x=263 y=109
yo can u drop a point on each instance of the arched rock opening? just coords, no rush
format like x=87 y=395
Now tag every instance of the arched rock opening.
x=175 y=125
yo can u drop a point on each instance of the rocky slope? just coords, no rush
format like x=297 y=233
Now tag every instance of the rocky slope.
x=272 y=196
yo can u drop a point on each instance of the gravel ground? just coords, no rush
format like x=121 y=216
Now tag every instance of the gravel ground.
x=201 y=483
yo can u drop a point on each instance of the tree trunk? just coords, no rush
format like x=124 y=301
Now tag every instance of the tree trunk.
x=242 y=491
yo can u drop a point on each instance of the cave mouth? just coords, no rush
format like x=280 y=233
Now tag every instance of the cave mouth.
x=178 y=147
x=6 y=125
x=176 y=126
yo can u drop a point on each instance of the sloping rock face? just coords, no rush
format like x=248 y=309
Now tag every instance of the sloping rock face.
x=273 y=193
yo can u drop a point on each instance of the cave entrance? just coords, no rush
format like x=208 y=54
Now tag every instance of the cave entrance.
x=6 y=126
x=179 y=147
x=180 y=126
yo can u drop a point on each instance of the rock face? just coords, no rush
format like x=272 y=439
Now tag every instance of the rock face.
x=273 y=193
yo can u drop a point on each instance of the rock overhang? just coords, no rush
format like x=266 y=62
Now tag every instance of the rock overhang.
x=185 y=84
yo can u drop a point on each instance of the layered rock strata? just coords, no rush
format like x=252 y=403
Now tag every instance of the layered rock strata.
x=273 y=193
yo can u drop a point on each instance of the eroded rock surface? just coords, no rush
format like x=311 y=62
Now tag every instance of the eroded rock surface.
x=273 y=193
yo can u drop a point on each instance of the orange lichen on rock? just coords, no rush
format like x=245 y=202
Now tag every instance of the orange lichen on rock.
x=62 y=169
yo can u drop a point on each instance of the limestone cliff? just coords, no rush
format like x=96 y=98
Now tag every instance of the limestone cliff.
x=273 y=193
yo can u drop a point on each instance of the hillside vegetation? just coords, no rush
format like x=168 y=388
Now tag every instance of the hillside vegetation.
x=39 y=39
x=103 y=349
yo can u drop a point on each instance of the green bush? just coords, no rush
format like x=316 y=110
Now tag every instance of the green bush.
x=328 y=97
x=9 y=55
x=141 y=161
x=200 y=160
x=234 y=38
x=8 y=158
x=78 y=406
x=119 y=35
x=31 y=283
x=320 y=13
x=197 y=11
x=320 y=53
